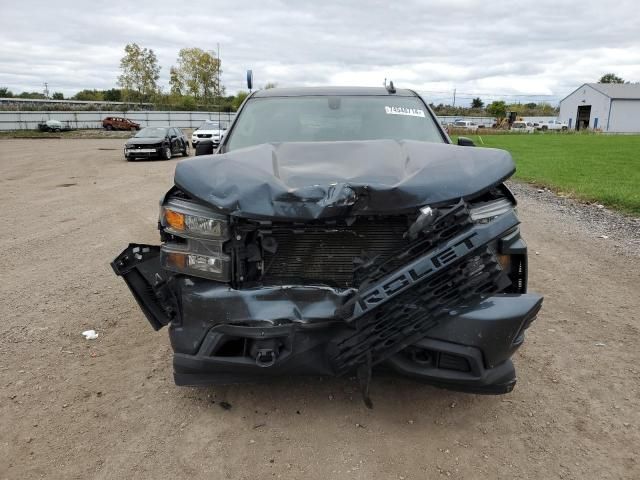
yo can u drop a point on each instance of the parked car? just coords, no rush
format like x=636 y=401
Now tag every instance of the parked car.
x=522 y=127
x=465 y=124
x=53 y=126
x=119 y=123
x=337 y=230
x=156 y=142
x=209 y=130
x=553 y=125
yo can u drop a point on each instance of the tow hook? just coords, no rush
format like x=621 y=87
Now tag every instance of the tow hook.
x=266 y=357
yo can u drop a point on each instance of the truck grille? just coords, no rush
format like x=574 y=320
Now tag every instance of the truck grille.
x=399 y=323
x=344 y=256
x=329 y=254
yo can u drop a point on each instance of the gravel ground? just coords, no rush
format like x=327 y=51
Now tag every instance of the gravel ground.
x=589 y=219
x=107 y=408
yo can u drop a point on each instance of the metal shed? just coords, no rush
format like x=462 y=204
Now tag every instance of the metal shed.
x=610 y=107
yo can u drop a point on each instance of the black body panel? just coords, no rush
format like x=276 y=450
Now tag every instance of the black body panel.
x=315 y=180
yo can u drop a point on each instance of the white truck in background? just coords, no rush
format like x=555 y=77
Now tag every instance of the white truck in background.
x=552 y=125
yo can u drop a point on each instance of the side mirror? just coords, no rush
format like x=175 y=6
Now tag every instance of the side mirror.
x=465 y=142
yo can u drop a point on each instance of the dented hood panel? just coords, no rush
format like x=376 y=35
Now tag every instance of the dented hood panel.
x=313 y=180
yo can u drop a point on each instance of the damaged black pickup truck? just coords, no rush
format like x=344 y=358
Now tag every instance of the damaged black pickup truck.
x=338 y=231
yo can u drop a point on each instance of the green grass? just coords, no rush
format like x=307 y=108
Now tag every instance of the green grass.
x=594 y=168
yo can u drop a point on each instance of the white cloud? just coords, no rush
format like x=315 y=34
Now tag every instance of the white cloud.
x=541 y=48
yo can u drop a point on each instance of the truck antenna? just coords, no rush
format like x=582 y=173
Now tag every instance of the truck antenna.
x=390 y=88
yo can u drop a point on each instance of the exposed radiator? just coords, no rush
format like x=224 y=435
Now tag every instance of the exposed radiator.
x=328 y=254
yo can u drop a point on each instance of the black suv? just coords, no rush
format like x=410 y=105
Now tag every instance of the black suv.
x=339 y=231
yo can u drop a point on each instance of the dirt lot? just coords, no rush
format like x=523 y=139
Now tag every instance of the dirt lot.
x=108 y=408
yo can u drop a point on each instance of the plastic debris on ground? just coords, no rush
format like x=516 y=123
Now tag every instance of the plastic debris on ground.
x=90 y=334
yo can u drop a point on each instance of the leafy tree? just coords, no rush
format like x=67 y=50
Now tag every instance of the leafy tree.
x=175 y=82
x=112 y=95
x=140 y=73
x=196 y=73
x=187 y=102
x=238 y=99
x=497 y=108
x=5 y=92
x=610 y=78
x=531 y=105
x=34 y=95
x=477 y=103
x=58 y=96
x=547 y=109
x=270 y=85
x=89 y=95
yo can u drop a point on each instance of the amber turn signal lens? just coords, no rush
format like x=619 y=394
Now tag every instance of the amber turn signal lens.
x=174 y=220
x=505 y=261
x=177 y=260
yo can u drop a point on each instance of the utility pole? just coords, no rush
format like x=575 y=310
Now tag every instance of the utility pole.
x=454 y=97
x=46 y=90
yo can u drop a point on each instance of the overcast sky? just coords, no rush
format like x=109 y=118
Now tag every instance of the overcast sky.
x=544 y=49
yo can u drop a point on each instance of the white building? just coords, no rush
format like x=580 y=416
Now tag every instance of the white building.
x=610 y=107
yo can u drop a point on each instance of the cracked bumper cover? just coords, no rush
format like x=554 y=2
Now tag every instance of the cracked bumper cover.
x=221 y=335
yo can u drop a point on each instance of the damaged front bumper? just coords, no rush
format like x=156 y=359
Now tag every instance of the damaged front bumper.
x=223 y=335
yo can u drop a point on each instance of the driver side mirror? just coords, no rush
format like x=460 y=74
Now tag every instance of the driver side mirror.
x=465 y=142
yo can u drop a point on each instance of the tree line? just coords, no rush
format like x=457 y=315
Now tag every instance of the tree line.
x=194 y=84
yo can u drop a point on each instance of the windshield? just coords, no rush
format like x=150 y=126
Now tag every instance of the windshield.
x=331 y=118
x=151 y=132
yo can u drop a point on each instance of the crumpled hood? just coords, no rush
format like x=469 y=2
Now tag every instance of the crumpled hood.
x=312 y=180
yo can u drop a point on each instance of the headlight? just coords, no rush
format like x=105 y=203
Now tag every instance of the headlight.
x=485 y=212
x=183 y=218
x=201 y=235
x=198 y=258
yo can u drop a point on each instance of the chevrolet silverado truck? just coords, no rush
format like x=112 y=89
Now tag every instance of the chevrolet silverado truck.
x=338 y=231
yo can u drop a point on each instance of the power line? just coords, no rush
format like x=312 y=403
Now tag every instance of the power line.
x=486 y=94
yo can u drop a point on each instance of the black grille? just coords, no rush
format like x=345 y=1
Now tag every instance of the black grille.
x=453 y=362
x=329 y=254
x=344 y=256
x=399 y=323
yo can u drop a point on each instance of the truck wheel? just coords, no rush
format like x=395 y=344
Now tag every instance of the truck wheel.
x=545 y=128
x=109 y=127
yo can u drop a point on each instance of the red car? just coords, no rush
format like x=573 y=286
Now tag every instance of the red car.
x=119 y=123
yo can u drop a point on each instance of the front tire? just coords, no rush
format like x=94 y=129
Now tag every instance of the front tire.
x=185 y=151
x=166 y=154
x=109 y=127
